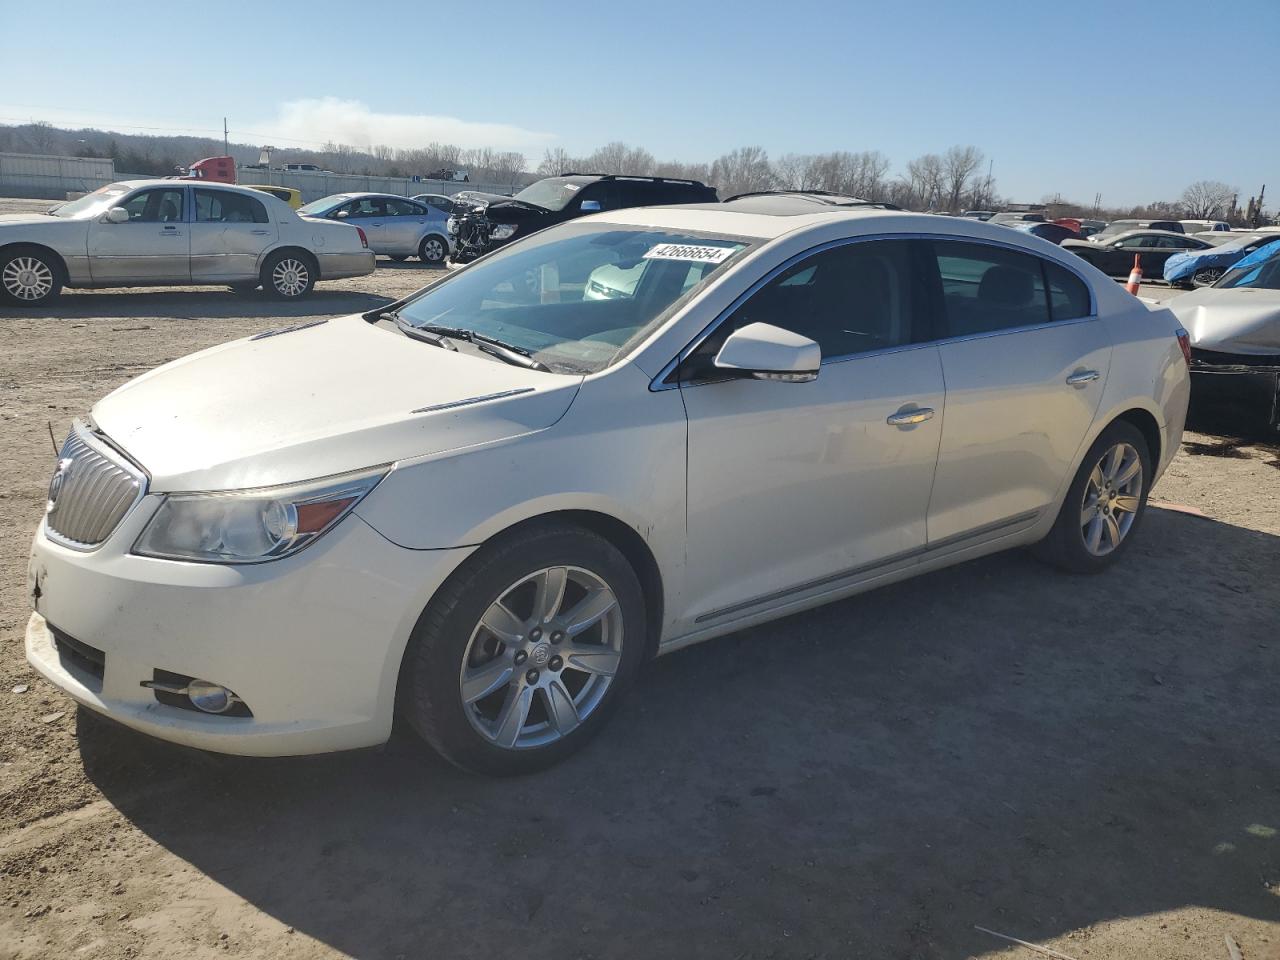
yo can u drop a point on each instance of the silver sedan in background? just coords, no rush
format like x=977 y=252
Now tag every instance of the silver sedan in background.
x=396 y=226
x=173 y=233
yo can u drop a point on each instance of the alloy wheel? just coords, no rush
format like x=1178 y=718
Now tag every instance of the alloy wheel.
x=1207 y=277
x=542 y=657
x=290 y=277
x=432 y=250
x=27 y=278
x=1112 y=496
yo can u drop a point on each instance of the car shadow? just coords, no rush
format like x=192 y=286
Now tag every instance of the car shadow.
x=211 y=303
x=386 y=263
x=996 y=744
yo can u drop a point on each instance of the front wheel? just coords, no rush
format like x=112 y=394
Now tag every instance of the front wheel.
x=525 y=651
x=433 y=250
x=29 y=278
x=1104 y=505
x=1207 y=276
x=288 y=275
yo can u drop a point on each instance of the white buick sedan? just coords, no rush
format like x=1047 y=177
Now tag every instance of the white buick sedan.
x=485 y=506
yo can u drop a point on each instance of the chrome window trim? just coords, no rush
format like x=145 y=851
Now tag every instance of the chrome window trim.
x=657 y=383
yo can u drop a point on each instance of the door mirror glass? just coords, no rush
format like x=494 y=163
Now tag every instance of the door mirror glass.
x=766 y=352
x=341 y=214
x=590 y=206
x=117 y=215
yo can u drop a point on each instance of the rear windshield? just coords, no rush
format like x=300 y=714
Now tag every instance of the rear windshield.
x=1260 y=270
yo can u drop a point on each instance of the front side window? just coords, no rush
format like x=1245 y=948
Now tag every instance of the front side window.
x=850 y=299
x=155 y=206
x=578 y=295
x=223 y=206
x=987 y=288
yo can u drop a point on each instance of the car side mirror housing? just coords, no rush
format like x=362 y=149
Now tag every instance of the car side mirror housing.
x=765 y=352
x=117 y=215
x=590 y=206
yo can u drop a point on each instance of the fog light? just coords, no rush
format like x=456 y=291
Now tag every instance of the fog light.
x=210 y=697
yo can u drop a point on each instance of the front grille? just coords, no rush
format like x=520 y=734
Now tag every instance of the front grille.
x=91 y=491
x=74 y=654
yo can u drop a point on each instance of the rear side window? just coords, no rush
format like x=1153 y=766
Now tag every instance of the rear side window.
x=1068 y=294
x=223 y=206
x=987 y=288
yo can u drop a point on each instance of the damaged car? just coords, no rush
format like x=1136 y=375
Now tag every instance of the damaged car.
x=1235 y=327
x=481 y=222
x=1204 y=268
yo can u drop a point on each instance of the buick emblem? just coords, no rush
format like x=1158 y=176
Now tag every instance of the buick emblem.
x=541 y=654
x=59 y=478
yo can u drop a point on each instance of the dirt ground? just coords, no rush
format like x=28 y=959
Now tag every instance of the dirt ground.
x=1091 y=764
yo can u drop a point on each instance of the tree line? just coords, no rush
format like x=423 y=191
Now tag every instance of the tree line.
x=952 y=181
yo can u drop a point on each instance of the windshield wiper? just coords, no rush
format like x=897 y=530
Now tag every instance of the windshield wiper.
x=434 y=337
x=440 y=334
x=509 y=353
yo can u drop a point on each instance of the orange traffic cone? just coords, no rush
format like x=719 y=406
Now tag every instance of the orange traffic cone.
x=1135 y=276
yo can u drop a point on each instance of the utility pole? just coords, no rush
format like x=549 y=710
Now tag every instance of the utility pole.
x=1257 y=214
x=226 y=149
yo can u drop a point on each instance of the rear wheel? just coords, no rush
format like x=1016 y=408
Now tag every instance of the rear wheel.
x=288 y=275
x=29 y=277
x=1104 y=505
x=525 y=651
x=433 y=250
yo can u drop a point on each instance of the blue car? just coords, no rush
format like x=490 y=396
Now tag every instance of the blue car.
x=1203 y=268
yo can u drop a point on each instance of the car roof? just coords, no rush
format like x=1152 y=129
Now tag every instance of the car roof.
x=1156 y=233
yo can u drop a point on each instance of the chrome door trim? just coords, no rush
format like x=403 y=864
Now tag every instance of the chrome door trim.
x=920 y=554
x=658 y=382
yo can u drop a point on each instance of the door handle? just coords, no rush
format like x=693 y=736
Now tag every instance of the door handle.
x=260 y=233
x=1083 y=377
x=908 y=418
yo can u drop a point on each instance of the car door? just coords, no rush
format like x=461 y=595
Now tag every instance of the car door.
x=795 y=489
x=1025 y=361
x=152 y=246
x=370 y=215
x=406 y=222
x=229 y=233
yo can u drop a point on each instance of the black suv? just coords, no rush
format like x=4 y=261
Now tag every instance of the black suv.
x=482 y=223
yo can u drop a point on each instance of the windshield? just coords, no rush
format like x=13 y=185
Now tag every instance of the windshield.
x=323 y=205
x=576 y=296
x=91 y=204
x=552 y=194
x=1260 y=270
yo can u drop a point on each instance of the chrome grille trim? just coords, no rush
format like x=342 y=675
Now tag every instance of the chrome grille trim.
x=98 y=488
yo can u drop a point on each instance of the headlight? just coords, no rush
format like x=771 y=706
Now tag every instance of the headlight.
x=451 y=225
x=251 y=526
x=502 y=231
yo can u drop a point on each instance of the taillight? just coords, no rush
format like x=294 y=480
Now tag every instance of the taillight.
x=364 y=241
x=1184 y=341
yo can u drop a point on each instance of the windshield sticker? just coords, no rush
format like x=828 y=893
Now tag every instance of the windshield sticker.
x=570 y=187
x=697 y=253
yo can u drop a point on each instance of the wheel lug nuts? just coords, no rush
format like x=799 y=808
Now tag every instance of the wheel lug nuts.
x=521 y=657
x=556 y=663
x=557 y=637
x=531 y=676
x=535 y=634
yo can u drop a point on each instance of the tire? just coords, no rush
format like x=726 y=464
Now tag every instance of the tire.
x=29 y=277
x=1097 y=508
x=530 y=707
x=1207 y=276
x=398 y=257
x=288 y=275
x=433 y=249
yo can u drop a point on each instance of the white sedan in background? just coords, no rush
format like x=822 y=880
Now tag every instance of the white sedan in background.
x=142 y=233
x=487 y=504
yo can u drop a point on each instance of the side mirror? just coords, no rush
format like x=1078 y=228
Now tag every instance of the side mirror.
x=341 y=214
x=590 y=206
x=117 y=215
x=766 y=352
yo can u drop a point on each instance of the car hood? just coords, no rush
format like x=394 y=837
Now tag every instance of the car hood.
x=319 y=399
x=1244 y=320
x=29 y=219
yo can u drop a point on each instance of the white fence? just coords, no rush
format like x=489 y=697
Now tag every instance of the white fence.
x=53 y=178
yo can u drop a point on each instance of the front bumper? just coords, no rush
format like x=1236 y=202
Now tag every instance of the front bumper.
x=311 y=643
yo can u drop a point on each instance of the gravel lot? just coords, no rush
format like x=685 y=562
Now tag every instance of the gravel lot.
x=1089 y=764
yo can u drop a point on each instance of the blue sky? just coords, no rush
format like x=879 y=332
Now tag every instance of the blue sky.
x=1133 y=100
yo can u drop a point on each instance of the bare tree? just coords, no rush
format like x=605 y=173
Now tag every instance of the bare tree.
x=743 y=170
x=507 y=167
x=958 y=166
x=1207 y=199
x=555 y=162
x=620 y=158
x=42 y=136
x=924 y=182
